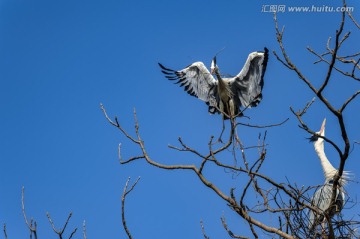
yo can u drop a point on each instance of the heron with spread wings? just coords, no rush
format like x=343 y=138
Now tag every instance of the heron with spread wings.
x=224 y=95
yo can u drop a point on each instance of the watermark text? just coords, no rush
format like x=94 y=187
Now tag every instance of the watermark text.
x=309 y=9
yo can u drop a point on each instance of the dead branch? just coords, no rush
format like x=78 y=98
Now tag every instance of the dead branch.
x=307 y=106
x=61 y=231
x=322 y=59
x=348 y=101
x=231 y=202
x=32 y=224
x=334 y=54
x=84 y=230
x=231 y=234
x=5 y=233
x=123 y=197
x=353 y=19
x=203 y=230
x=262 y=126
x=293 y=67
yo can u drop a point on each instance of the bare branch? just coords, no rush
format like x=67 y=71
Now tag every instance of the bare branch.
x=117 y=125
x=61 y=231
x=282 y=61
x=263 y=126
x=348 y=101
x=298 y=72
x=356 y=65
x=232 y=203
x=253 y=230
x=353 y=19
x=5 y=233
x=73 y=233
x=203 y=230
x=307 y=106
x=322 y=59
x=345 y=37
x=287 y=62
x=334 y=54
x=84 y=230
x=231 y=234
x=32 y=224
x=123 y=197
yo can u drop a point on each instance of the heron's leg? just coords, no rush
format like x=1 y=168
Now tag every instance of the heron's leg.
x=222 y=131
x=236 y=138
x=232 y=116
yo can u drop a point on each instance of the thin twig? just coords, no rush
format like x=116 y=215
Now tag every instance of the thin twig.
x=123 y=197
x=203 y=230
x=322 y=59
x=349 y=101
x=5 y=233
x=353 y=19
x=84 y=230
x=263 y=126
x=334 y=54
x=231 y=234
x=29 y=225
x=73 y=233
x=61 y=231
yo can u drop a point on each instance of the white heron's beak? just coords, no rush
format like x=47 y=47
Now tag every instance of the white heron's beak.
x=213 y=65
x=322 y=126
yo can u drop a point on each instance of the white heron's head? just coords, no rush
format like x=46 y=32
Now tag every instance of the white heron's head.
x=315 y=138
x=213 y=65
x=328 y=168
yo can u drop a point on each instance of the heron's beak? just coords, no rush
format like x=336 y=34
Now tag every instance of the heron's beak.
x=322 y=126
x=213 y=65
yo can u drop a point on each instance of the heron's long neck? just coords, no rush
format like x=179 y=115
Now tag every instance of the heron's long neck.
x=218 y=76
x=329 y=170
x=222 y=86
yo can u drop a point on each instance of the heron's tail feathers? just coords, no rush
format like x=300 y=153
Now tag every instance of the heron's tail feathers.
x=346 y=177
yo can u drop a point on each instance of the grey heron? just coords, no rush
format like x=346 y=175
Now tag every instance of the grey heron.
x=322 y=196
x=224 y=95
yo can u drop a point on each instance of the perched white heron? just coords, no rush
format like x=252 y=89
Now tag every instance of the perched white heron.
x=322 y=196
x=224 y=95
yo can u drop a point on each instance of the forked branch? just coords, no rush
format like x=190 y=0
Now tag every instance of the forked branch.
x=61 y=231
x=32 y=224
x=126 y=191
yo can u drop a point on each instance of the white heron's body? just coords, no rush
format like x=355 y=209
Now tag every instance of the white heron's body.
x=224 y=95
x=323 y=195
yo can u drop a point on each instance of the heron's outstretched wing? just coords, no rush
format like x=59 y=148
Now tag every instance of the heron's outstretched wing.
x=197 y=81
x=248 y=84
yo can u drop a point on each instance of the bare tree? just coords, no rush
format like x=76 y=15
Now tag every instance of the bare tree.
x=335 y=62
x=32 y=225
x=290 y=203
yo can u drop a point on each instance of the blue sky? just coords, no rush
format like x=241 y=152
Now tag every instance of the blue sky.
x=61 y=59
